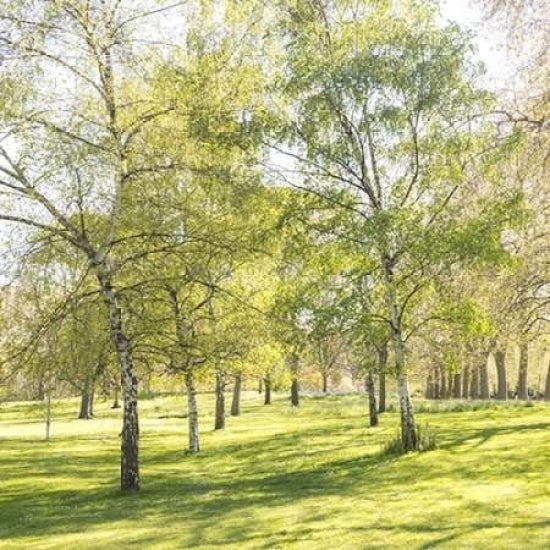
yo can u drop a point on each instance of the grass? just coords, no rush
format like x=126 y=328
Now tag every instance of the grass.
x=276 y=478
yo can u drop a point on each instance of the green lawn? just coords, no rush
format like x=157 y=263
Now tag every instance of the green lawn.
x=307 y=479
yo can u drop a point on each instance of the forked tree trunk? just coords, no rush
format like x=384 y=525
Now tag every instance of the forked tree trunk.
x=219 y=421
x=457 y=390
x=547 y=385
x=267 y=393
x=382 y=363
x=484 y=386
x=325 y=382
x=129 y=464
x=373 y=411
x=502 y=384
x=522 y=372
x=236 y=402
x=192 y=411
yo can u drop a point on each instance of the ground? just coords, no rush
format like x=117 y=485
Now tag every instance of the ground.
x=277 y=478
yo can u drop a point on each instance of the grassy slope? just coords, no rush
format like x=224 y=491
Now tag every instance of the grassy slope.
x=276 y=478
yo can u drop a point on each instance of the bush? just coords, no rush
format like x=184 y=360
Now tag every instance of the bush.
x=426 y=440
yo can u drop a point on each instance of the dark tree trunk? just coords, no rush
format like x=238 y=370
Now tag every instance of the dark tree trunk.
x=192 y=411
x=116 y=400
x=502 y=384
x=484 y=386
x=547 y=385
x=373 y=411
x=466 y=381
x=430 y=385
x=236 y=403
x=260 y=384
x=325 y=382
x=86 y=405
x=267 y=393
x=219 y=422
x=522 y=372
x=474 y=383
x=382 y=363
x=457 y=390
x=436 y=383
x=295 y=393
x=443 y=382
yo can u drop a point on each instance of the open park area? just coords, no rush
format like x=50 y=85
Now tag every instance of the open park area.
x=311 y=478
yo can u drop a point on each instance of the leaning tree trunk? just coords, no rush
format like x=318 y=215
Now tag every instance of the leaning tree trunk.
x=484 y=386
x=236 y=402
x=502 y=384
x=547 y=385
x=522 y=372
x=192 y=411
x=373 y=411
x=219 y=422
x=129 y=464
x=267 y=392
x=382 y=362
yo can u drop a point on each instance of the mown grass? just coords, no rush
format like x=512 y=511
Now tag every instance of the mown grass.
x=276 y=478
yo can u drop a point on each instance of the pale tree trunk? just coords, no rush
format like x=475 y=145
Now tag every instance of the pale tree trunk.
x=236 y=402
x=502 y=384
x=457 y=390
x=522 y=372
x=192 y=411
x=267 y=393
x=382 y=363
x=219 y=422
x=484 y=386
x=547 y=385
x=408 y=427
x=373 y=411
x=474 y=382
x=466 y=381
x=129 y=465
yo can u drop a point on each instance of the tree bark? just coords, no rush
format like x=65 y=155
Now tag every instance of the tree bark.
x=484 y=386
x=129 y=464
x=267 y=393
x=325 y=382
x=382 y=363
x=236 y=402
x=457 y=390
x=408 y=427
x=466 y=381
x=474 y=383
x=295 y=393
x=522 y=372
x=373 y=411
x=502 y=384
x=85 y=404
x=547 y=385
x=192 y=411
x=219 y=422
